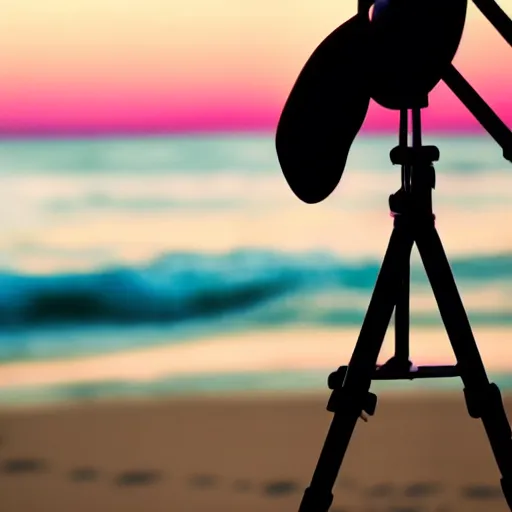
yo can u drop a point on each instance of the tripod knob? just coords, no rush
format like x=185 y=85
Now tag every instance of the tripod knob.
x=335 y=382
x=414 y=156
x=335 y=379
x=398 y=202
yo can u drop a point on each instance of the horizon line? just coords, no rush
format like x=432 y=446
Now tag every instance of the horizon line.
x=133 y=134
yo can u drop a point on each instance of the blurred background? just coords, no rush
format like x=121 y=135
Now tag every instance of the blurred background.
x=151 y=249
x=149 y=241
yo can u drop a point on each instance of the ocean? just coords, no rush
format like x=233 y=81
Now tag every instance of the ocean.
x=161 y=265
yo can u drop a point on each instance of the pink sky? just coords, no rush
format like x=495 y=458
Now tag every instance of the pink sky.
x=137 y=69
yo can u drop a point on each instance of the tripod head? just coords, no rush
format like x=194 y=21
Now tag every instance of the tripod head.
x=394 y=55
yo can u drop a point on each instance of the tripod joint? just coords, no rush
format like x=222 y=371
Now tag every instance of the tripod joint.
x=480 y=401
x=421 y=157
x=412 y=156
x=341 y=398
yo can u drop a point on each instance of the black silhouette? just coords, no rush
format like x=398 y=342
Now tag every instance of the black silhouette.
x=396 y=57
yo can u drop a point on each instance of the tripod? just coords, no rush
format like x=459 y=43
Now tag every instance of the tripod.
x=414 y=222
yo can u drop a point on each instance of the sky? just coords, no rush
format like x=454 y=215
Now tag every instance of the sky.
x=185 y=66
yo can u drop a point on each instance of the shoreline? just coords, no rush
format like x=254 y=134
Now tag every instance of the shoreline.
x=65 y=398
x=255 y=396
x=306 y=349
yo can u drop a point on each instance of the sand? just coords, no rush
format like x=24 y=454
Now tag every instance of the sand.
x=419 y=453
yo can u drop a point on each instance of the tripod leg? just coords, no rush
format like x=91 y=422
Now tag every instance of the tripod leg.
x=402 y=311
x=483 y=399
x=348 y=401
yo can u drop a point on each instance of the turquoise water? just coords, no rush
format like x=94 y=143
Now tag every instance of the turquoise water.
x=115 y=245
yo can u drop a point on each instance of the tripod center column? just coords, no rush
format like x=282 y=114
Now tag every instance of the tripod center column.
x=423 y=176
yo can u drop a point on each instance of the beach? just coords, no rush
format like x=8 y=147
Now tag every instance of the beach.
x=170 y=313
x=250 y=452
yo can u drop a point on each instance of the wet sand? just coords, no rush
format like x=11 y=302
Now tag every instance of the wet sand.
x=251 y=453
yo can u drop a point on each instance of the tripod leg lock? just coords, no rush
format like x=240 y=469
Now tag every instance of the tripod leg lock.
x=315 y=500
x=485 y=401
x=341 y=398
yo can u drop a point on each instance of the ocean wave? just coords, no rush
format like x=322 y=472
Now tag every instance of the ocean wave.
x=258 y=286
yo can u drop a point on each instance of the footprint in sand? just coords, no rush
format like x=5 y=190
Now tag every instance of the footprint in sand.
x=280 y=487
x=422 y=489
x=398 y=508
x=23 y=466
x=203 y=481
x=84 y=474
x=242 y=485
x=137 y=477
x=482 y=492
x=382 y=490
